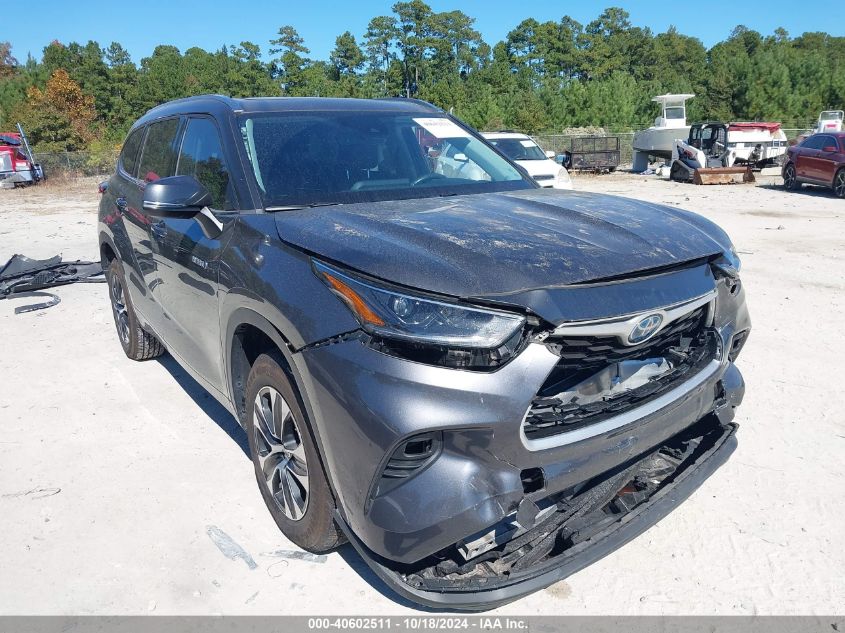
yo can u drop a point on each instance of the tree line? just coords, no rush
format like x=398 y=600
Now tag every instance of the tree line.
x=544 y=77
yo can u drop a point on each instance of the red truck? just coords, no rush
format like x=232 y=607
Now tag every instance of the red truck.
x=17 y=166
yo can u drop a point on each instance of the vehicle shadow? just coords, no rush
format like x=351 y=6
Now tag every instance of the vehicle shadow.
x=352 y=558
x=806 y=190
x=205 y=401
x=222 y=418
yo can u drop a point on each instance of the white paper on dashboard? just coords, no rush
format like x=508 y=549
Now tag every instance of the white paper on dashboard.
x=442 y=128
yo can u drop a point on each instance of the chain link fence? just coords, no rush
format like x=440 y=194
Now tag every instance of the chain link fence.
x=76 y=163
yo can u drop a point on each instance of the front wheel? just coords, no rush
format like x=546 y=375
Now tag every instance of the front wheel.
x=287 y=464
x=790 y=179
x=839 y=183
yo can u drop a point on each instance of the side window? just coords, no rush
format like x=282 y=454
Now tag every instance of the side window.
x=202 y=157
x=828 y=141
x=129 y=153
x=158 y=159
x=813 y=142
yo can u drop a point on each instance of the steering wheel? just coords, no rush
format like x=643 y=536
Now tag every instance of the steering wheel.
x=426 y=178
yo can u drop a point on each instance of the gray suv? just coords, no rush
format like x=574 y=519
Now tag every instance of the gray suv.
x=482 y=384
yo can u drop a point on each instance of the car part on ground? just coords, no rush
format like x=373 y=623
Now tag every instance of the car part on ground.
x=475 y=378
x=25 y=277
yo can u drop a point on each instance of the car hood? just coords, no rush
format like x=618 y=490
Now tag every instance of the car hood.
x=539 y=167
x=489 y=245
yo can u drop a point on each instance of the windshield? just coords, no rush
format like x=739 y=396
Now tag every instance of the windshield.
x=312 y=158
x=674 y=112
x=519 y=148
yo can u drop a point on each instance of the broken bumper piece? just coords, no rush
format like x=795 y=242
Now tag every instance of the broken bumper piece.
x=546 y=542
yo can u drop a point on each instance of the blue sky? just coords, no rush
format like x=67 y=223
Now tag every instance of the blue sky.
x=141 y=25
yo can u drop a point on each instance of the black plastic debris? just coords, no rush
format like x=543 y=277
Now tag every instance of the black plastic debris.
x=25 y=277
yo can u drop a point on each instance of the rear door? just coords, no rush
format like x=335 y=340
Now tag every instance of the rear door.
x=124 y=192
x=187 y=248
x=826 y=159
x=805 y=157
x=156 y=160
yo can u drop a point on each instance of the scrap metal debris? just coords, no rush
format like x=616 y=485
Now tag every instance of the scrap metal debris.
x=25 y=277
x=296 y=555
x=34 y=493
x=228 y=547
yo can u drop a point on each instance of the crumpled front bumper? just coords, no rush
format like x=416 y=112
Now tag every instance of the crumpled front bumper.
x=365 y=404
x=627 y=527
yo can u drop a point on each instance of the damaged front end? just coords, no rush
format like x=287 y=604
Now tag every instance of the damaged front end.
x=498 y=483
x=545 y=541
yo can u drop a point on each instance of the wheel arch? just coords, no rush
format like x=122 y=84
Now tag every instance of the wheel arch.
x=249 y=334
x=108 y=250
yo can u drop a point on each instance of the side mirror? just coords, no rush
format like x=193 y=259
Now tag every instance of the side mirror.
x=461 y=157
x=550 y=154
x=176 y=193
x=831 y=149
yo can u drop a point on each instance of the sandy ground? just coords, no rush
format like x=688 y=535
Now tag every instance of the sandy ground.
x=115 y=475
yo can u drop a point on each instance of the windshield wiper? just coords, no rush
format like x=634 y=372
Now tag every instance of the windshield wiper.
x=297 y=207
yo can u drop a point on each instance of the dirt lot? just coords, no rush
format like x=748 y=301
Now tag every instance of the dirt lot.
x=117 y=478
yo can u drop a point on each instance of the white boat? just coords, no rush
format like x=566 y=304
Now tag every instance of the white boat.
x=658 y=140
x=760 y=143
x=830 y=121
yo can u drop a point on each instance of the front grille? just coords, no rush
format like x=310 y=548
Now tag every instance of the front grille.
x=687 y=343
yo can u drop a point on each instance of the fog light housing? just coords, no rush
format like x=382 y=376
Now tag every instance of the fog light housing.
x=408 y=459
x=737 y=343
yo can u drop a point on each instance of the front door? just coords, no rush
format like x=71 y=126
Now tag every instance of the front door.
x=187 y=249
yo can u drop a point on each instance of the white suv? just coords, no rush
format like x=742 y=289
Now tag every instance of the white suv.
x=522 y=149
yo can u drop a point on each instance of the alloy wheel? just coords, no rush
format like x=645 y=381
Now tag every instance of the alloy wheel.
x=281 y=453
x=839 y=185
x=118 y=306
x=789 y=177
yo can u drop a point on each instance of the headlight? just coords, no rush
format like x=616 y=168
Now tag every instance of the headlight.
x=396 y=315
x=729 y=263
x=733 y=258
x=562 y=177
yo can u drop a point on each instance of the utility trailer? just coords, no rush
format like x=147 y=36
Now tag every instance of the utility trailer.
x=593 y=153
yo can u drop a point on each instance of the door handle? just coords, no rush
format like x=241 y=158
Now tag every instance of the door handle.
x=159 y=229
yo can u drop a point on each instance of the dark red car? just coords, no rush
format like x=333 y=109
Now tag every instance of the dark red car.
x=818 y=160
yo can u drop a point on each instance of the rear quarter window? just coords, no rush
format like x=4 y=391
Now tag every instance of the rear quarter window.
x=129 y=154
x=158 y=160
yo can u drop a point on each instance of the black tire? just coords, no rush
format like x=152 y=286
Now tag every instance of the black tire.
x=137 y=343
x=314 y=529
x=839 y=183
x=790 y=178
